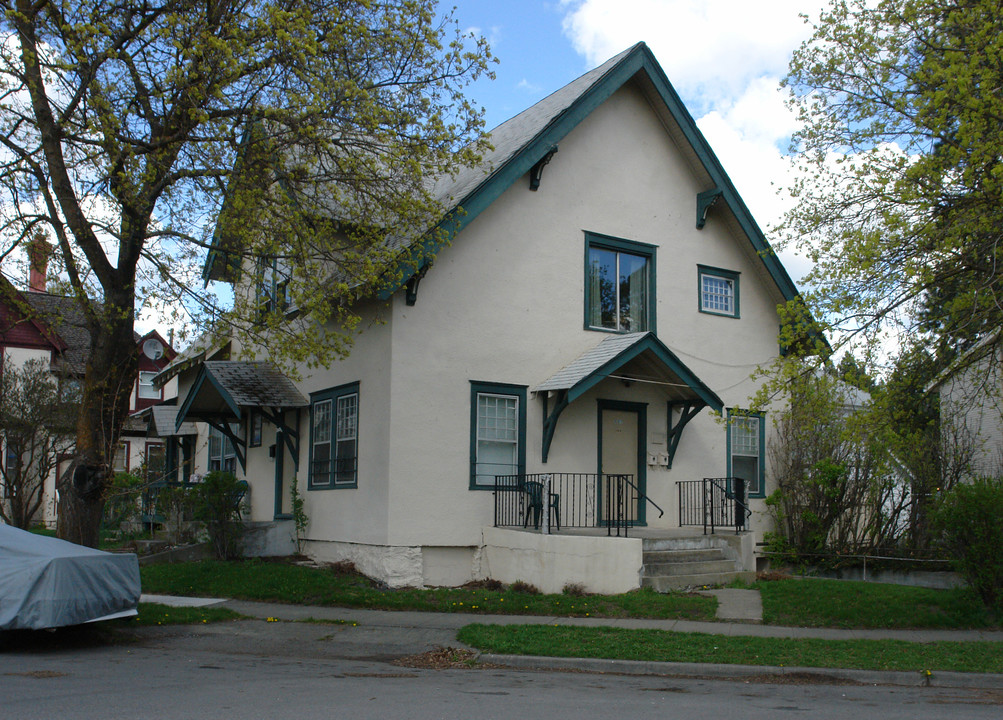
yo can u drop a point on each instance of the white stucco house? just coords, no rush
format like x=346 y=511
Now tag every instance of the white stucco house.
x=605 y=294
x=971 y=407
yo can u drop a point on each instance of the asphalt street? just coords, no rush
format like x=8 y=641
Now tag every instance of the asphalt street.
x=302 y=670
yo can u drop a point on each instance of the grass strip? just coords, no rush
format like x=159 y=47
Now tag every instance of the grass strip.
x=663 y=646
x=851 y=604
x=157 y=614
x=282 y=582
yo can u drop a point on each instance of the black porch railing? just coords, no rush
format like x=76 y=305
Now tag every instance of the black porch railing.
x=556 y=501
x=713 y=503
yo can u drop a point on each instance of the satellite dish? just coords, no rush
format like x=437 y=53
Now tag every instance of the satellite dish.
x=153 y=349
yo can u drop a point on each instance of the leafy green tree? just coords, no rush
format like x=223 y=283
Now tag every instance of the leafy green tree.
x=127 y=126
x=899 y=203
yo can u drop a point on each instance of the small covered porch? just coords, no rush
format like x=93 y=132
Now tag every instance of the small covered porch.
x=236 y=399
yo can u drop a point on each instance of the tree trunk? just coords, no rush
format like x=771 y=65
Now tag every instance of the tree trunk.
x=111 y=373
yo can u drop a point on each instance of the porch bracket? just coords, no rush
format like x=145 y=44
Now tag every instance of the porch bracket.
x=536 y=172
x=550 y=419
x=290 y=435
x=687 y=411
x=239 y=444
x=704 y=202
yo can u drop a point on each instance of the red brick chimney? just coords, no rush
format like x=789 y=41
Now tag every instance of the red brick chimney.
x=38 y=262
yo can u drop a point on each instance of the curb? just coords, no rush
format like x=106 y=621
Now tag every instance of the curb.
x=943 y=679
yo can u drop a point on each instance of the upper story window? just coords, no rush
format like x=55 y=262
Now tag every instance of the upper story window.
x=146 y=387
x=334 y=437
x=619 y=284
x=718 y=291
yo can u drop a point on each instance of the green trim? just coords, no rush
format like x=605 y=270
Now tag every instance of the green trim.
x=731 y=275
x=630 y=247
x=666 y=356
x=280 y=470
x=705 y=200
x=200 y=380
x=687 y=411
x=761 y=493
x=333 y=394
x=518 y=391
x=639 y=59
x=641 y=410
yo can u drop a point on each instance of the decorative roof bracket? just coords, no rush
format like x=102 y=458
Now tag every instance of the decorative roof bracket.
x=704 y=202
x=536 y=172
x=550 y=419
x=687 y=411
x=411 y=286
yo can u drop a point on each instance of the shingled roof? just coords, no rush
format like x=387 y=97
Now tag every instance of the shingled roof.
x=223 y=388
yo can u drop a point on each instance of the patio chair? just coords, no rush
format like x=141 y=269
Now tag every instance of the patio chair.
x=534 y=504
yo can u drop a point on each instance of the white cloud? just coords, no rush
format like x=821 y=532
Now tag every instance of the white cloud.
x=529 y=87
x=726 y=59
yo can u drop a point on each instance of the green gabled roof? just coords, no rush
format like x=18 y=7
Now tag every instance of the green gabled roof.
x=522 y=141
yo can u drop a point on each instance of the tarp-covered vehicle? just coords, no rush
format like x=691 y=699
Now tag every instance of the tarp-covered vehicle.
x=46 y=583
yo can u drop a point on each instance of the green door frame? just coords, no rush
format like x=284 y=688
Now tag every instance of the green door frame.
x=641 y=410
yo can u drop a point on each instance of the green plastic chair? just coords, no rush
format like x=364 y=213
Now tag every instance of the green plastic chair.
x=534 y=504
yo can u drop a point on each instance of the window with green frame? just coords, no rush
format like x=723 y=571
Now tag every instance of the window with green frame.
x=497 y=432
x=717 y=290
x=619 y=284
x=747 y=450
x=334 y=438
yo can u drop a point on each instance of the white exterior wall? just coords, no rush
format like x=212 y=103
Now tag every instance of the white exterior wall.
x=505 y=303
x=972 y=402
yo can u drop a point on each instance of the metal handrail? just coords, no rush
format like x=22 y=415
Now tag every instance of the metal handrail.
x=746 y=511
x=626 y=479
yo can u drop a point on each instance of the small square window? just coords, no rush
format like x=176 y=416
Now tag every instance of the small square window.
x=718 y=291
x=146 y=387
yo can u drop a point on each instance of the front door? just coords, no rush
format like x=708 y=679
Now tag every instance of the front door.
x=622 y=448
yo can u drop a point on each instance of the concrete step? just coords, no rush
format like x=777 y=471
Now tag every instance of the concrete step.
x=700 y=567
x=665 y=583
x=674 y=556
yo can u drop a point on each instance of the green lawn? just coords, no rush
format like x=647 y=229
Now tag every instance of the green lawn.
x=663 y=646
x=847 y=604
x=157 y=614
x=283 y=582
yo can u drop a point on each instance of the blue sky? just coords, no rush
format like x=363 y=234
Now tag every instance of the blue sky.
x=724 y=57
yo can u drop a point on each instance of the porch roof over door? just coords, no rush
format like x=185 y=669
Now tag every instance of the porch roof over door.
x=224 y=389
x=633 y=357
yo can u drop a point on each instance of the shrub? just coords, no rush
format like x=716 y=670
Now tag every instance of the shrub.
x=217 y=505
x=524 y=587
x=968 y=521
x=575 y=590
x=121 y=506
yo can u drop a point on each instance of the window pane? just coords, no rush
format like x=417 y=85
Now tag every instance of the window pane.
x=146 y=387
x=602 y=288
x=497 y=437
x=348 y=414
x=322 y=421
x=717 y=294
x=745 y=458
x=633 y=292
x=747 y=468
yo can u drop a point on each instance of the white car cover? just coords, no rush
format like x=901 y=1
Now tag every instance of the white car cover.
x=45 y=582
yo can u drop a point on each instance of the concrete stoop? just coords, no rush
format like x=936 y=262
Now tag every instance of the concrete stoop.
x=677 y=563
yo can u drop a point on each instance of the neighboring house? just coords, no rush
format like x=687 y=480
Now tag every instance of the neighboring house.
x=971 y=408
x=37 y=325
x=594 y=307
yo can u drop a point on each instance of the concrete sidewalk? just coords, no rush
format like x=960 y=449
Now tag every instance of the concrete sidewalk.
x=414 y=632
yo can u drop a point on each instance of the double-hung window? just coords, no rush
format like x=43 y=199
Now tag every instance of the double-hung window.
x=718 y=291
x=619 y=284
x=146 y=387
x=334 y=437
x=746 y=450
x=497 y=432
x=222 y=454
